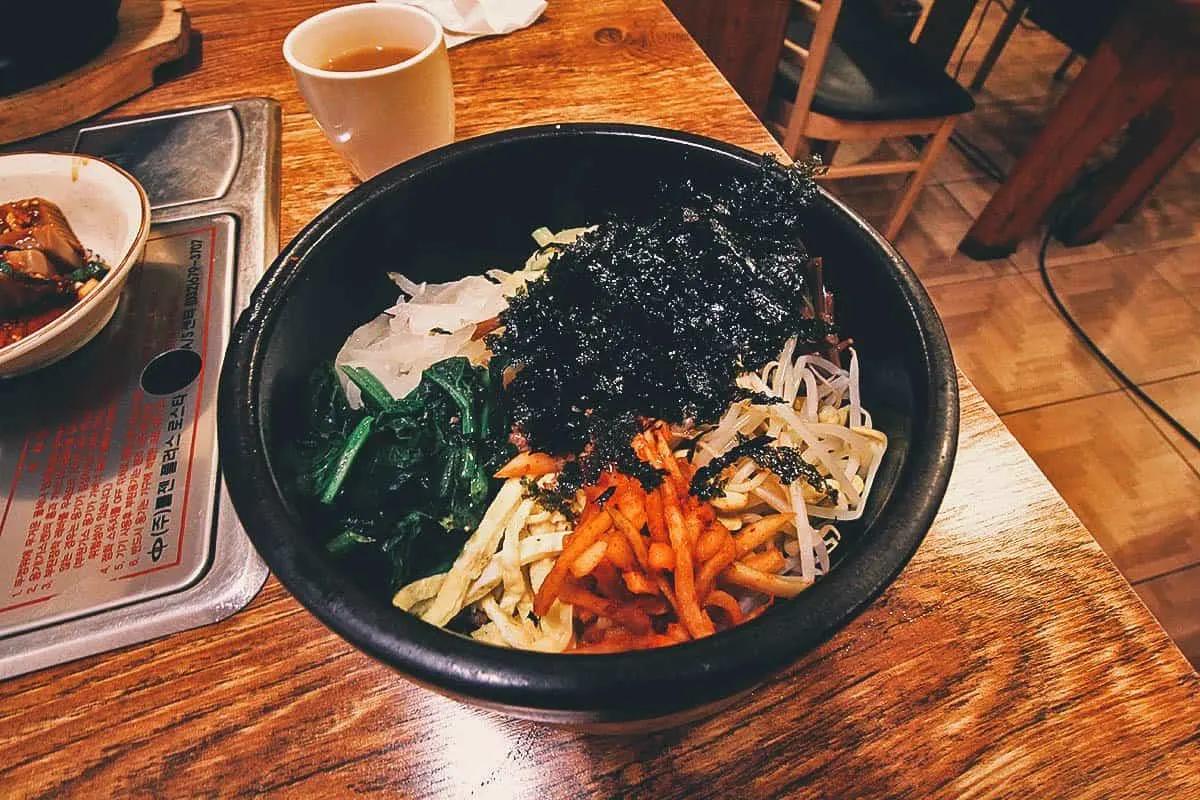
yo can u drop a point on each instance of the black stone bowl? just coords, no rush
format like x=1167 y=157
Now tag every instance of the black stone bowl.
x=44 y=39
x=470 y=206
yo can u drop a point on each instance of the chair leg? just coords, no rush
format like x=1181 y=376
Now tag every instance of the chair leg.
x=1061 y=72
x=1011 y=20
x=913 y=188
x=829 y=150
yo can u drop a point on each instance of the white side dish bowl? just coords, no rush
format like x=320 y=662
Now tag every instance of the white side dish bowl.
x=108 y=210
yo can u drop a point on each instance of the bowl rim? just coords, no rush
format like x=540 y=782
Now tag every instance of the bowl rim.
x=111 y=283
x=624 y=685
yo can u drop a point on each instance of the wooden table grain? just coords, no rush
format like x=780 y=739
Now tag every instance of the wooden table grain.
x=1008 y=659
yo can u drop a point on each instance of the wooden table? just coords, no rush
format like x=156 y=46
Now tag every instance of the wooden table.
x=744 y=38
x=1009 y=658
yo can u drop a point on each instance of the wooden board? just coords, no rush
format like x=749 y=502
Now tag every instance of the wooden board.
x=150 y=33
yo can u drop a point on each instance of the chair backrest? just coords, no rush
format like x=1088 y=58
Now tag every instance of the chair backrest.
x=824 y=15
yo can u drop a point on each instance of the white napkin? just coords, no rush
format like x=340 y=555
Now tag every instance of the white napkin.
x=465 y=20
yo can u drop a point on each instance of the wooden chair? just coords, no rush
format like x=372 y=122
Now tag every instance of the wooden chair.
x=1079 y=24
x=857 y=78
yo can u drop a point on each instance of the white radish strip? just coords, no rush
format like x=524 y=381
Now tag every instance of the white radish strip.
x=511 y=631
x=827 y=365
x=855 y=400
x=509 y=558
x=822 y=554
x=771 y=499
x=780 y=585
x=768 y=370
x=476 y=553
x=745 y=487
x=533 y=548
x=795 y=376
x=804 y=533
x=744 y=471
x=812 y=400
x=785 y=358
x=800 y=428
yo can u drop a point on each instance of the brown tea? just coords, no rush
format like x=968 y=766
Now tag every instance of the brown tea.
x=365 y=58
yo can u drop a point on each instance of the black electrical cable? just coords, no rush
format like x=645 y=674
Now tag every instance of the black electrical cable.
x=977 y=157
x=1007 y=9
x=1024 y=23
x=974 y=35
x=1095 y=348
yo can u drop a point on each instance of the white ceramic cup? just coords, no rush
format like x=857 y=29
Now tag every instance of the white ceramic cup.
x=379 y=117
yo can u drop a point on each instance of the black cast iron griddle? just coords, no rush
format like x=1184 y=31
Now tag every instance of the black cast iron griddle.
x=114 y=525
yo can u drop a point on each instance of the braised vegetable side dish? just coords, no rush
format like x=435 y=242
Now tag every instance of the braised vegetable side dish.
x=644 y=436
x=44 y=269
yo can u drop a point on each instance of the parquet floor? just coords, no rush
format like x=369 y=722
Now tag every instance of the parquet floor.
x=1132 y=480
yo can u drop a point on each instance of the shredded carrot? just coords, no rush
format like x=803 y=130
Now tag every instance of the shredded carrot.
x=677 y=632
x=668 y=458
x=724 y=556
x=632 y=505
x=691 y=520
x=586 y=534
x=609 y=583
x=529 y=465
x=653 y=604
x=644 y=449
x=640 y=568
x=739 y=574
x=592 y=633
x=619 y=552
x=654 y=518
x=665 y=588
x=762 y=531
x=630 y=617
x=770 y=561
x=690 y=613
x=710 y=541
x=638 y=583
x=589 y=559
x=633 y=536
x=725 y=602
x=661 y=556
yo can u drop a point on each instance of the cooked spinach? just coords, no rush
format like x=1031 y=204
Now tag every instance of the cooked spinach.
x=408 y=478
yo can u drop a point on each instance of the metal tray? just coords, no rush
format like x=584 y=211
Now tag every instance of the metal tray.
x=114 y=525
